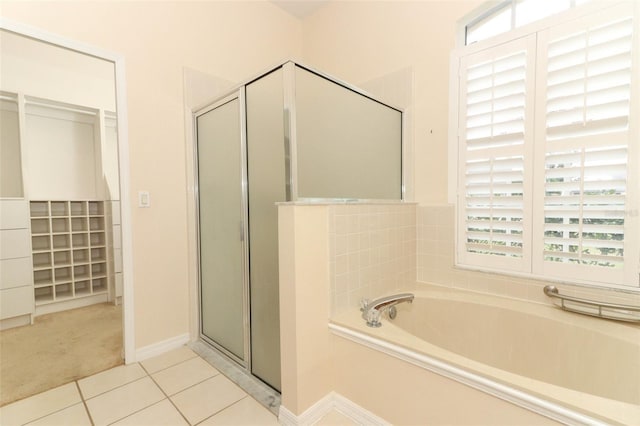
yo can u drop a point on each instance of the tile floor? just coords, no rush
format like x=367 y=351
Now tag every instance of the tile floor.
x=176 y=388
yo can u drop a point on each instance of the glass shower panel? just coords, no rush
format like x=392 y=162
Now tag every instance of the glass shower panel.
x=348 y=145
x=266 y=156
x=221 y=227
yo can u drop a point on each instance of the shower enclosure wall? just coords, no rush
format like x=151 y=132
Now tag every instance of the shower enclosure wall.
x=292 y=134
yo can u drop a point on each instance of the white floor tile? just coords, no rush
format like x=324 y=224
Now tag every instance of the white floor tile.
x=207 y=398
x=335 y=418
x=161 y=414
x=75 y=415
x=168 y=359
x=247 y=412
x=110 y=379
x=43 y=404
x=181 y=376
x=123 y=401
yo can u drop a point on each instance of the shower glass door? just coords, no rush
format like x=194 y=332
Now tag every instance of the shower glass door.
x=222 y=221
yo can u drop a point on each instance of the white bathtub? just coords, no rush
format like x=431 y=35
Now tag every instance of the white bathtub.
x=569 y=367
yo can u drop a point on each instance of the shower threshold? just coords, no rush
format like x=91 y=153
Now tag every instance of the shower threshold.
x=260 y=391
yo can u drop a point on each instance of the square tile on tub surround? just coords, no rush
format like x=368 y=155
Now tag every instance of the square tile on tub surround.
x=372 y=251
x=435 y=265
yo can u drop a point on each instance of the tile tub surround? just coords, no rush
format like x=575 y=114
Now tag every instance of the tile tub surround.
x=372 y=251
x=435 y=226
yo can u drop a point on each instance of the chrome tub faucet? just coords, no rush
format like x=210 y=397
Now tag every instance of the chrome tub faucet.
x=372 y=310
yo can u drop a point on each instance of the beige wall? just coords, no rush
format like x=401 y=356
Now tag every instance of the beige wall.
x=231 y=40
x=359 y=41
x=305 y=357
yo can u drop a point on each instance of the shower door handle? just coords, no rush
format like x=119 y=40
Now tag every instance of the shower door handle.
x=241 y=228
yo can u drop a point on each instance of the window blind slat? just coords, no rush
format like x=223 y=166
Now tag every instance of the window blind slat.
x=581 y=129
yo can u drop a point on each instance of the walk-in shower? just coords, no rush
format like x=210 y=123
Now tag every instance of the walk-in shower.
x=291 y=134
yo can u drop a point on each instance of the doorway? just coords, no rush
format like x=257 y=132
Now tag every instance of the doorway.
x=76 y=245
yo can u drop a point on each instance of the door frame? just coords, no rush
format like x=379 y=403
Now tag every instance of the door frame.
x=123 y=160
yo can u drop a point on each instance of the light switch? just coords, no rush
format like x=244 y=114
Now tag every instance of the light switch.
x=144 y=199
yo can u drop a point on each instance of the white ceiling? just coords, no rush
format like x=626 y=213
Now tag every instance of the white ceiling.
x=300 y=8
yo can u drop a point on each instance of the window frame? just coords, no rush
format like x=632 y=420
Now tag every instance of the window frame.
x=528 y=30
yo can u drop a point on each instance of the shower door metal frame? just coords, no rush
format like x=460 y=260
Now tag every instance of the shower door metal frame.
x=239 y=94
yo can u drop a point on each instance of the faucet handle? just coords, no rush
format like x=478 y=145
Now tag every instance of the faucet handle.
x=364 y=304
x=372 y=316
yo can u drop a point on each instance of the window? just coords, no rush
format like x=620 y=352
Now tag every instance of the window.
x=548 y=148
x=511 y=14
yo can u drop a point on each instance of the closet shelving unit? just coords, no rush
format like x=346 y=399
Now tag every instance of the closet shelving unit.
x=69 y=249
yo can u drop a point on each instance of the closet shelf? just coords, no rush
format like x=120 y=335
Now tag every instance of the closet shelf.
x=70 y=259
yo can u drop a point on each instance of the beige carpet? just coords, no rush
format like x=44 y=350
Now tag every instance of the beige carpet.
x=59 y=348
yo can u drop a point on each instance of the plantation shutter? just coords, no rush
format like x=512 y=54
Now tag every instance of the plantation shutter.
x=583 y=109
x=494 y=136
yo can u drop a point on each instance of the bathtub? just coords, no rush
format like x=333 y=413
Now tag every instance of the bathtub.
x=569 y=367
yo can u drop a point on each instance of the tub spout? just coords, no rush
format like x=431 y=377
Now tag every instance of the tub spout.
x=371 y=311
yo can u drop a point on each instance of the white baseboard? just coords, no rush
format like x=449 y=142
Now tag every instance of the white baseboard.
x=332 y=401
x=18 y=321
x=80 y=302
x=159 y=348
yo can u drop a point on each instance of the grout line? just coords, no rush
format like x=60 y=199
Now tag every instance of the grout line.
x=143 y=408
x=50 y=413
x=195 y=355
x=116 y=387
x=84 y=402
x=223 y=409
x=135 y=412
x=217 y=373
x=167 y=396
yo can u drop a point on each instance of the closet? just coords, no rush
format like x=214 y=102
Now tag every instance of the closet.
x=59 y=206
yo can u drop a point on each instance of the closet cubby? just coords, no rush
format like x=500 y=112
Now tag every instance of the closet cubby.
x=78 y=208
x=62 y=274
x=99 y=270
x=40 y=226
x=41 y=260
x=60 y=242
x=59 y=225
x=68 y=240
x=80 y=256
x=64 y=291
x=39 y=209
x=96 y=223
x=80 y=240
x=42 y=277
x=79 y=224
x=98 y=254
x=81 y=272
x=82 y=288
x=99 y=285
x=40 y=243
x=43 y=294
x=62 y=258
x=59 y=208
x=96 y=208
x=98 y=239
